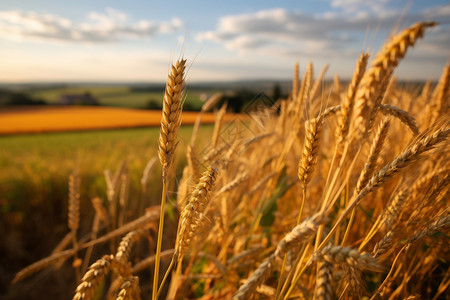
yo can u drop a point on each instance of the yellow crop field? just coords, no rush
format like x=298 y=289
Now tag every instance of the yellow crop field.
x=71 y=118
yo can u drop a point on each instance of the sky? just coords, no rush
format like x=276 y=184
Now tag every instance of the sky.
x=135 y=41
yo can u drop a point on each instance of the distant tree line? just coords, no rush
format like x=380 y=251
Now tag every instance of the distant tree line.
x=18 y=98
x=246 y=100
x=240 y=100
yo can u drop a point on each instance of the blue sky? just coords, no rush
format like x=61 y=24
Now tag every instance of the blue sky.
x=129 y=41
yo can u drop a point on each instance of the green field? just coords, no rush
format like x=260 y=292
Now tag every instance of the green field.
x=29 y=162
x=120 y=96
x=34 y=183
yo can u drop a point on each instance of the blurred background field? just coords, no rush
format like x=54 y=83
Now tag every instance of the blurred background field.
x=34 y=177
x=118 y=96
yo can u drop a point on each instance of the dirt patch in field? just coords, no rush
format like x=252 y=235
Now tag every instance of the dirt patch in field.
x=14 y=120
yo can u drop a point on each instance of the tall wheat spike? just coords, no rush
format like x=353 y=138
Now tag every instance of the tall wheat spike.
x=170 y=123
x=310 y=149
x=74 y=202
x=218 y=124
x=74 y=215
x=442 y=94
x=171 y=114
x=375 y=150
x=296 y=81
x=384 y=64
x=347 y=105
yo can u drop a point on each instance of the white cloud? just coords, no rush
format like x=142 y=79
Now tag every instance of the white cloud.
x=99 y=27
x=378 y=6
x=328 y=35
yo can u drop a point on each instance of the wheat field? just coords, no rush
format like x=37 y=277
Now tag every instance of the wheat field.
x=75 y=118
x=337 y=192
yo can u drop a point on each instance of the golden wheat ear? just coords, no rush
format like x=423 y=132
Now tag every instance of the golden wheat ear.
x=193 y=212
x=170 y=123
x=171 y=114
x=382 y=68
x=93 y=277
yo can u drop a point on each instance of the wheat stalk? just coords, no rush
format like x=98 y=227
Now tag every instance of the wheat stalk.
x=354 y=277
x=193 y=162
x=443 y=223
x=100 y=210
x=296 y=81
x=347 y=104
x=171 y=114
x=369 y=166
x=310 y=149
x=425 y=142
x=218 y=124
x=41 y=264
x=402 y=115
x=441 y=94
x=348 y=256
x=384 y=64
x=124 y=249
x=336 y=86
x=212 y=101
x=304 y=91
x=147 y=172
x=191 y=219
x=74 y=216
x=170 y=123
x=391 y=212
x=330 y=111
x=374 y=154
x=233 y=184
x=74 y=203
x=300 y=233
x=384 y=244
x=190 y=216
x=323 y=290
x=310 y=156
x=97 y=271
x=129 y=290
x=380 y=95
x=318 y=82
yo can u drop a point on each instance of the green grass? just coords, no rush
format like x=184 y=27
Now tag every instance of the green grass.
x=52 y=94
x=35 y=168
x=32 y=160
x=119 y=96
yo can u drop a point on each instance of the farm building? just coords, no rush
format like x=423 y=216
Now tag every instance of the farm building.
x=78 y=99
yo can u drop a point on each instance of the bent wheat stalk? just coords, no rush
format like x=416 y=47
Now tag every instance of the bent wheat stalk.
x=295 y=237
x=425 y=142
x=382 y=67
x=402 y=115
x=190 y=219
x=348 y=256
